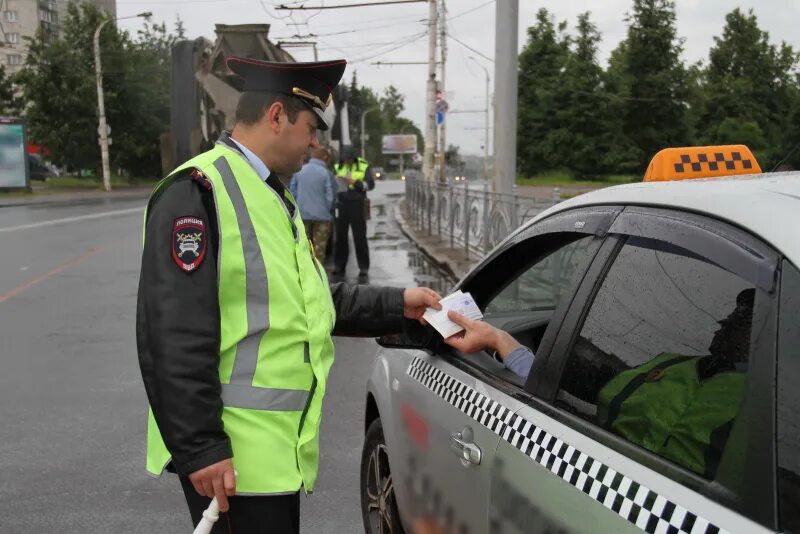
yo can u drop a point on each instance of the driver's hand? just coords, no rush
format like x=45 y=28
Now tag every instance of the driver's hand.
x=480 y=335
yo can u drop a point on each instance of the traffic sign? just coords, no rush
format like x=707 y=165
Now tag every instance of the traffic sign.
x=439 y=118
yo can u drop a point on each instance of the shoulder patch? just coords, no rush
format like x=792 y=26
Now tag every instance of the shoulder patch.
x=189 y=242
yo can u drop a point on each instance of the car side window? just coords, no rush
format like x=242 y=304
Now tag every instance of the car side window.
x=788 y=428
x=541 y=286
x=519 y=290
x=661 y=358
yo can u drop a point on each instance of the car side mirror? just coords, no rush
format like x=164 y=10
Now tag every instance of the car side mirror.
x=414 y=336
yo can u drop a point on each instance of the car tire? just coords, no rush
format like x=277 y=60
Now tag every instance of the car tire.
x=378 y=504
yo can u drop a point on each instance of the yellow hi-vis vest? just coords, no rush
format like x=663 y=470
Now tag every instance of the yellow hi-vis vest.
x=358 y=170
x=276 y=317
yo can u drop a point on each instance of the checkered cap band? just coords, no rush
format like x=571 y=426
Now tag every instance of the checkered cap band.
x=632 y=501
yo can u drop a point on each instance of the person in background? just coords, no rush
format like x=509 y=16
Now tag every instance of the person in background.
x=353 y=206
x=314 y=194
x=329 y=159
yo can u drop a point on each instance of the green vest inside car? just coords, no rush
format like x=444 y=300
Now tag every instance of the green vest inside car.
x=665 y=407
x=276 y=316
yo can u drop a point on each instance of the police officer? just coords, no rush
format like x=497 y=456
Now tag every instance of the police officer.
x=235 y=316
x=352 y=208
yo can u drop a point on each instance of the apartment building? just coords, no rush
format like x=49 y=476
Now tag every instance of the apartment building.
x=22 y=18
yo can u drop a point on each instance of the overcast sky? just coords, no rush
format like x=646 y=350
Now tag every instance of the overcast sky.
x=382 y=29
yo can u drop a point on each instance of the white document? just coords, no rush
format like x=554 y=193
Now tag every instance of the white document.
x=459 y=302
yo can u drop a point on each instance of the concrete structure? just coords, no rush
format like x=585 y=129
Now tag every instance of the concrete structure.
x=22 y=18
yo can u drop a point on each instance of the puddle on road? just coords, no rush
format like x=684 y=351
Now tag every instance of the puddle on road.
x=400 y=258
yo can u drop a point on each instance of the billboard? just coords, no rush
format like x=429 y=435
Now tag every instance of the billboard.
x=399 y=144
x=13 y=156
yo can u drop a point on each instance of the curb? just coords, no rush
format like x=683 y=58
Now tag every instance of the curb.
x=64 y=198
x=455 y=269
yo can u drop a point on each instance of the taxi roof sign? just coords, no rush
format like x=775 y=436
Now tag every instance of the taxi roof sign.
x=701 y=162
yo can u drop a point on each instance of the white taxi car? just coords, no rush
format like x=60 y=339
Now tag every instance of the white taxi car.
x=664 y=396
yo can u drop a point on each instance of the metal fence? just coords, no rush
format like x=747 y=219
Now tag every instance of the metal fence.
x=469 y=215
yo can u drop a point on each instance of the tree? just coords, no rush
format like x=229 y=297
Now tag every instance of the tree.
x=9 y=103
x=145 y=89
x=452 y=158
x=363 y=99
x=58 y=83
x=541 y=64
x=750 y=89
x=590 y=137
x=652 y=80
x=385 y=119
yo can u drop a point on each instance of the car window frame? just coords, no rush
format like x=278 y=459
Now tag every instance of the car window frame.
x=703 y=236
x=788 y=363
x=584 y=221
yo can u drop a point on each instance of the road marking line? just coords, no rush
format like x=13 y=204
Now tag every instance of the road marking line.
x=71 y=219
x=30 y=283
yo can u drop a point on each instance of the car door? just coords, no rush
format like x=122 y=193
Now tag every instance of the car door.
x=653 y=411
x=442 y=473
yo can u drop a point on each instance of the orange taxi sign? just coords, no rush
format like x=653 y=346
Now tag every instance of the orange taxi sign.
x=701 y=162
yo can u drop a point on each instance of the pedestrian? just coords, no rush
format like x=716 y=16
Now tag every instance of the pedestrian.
x=313 y=190
x=353 y=211
x=235 y=316
x=335 y=184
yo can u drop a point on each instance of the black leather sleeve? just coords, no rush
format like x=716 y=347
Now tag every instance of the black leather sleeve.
x=367 y=311
x=178 y=333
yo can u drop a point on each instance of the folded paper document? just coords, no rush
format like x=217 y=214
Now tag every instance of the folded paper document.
x=459 y=302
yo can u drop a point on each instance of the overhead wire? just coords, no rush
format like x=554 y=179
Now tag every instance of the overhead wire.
x=392 y=49
x=468 y=47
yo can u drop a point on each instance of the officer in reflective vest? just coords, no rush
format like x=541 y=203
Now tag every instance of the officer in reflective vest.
x=353 y=211
x=235 y=315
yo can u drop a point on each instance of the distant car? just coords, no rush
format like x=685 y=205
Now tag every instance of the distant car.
x=378 y=173
x=38 y=169
x=663 y=395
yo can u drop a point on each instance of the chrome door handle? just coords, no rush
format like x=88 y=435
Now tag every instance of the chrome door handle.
x=461 y=444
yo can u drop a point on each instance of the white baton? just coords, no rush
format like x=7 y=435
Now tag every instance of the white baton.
x=210 y=516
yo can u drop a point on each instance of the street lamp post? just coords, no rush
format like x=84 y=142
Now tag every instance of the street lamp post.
x=364 y=134
x=101 y=105
x=486 y=123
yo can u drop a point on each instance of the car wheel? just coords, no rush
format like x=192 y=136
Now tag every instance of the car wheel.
x=378 y=503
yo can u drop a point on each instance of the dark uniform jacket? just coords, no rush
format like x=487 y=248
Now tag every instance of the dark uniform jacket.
x=178 y=326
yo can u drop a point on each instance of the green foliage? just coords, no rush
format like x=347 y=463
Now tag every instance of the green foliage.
x=751 y=90
x=384 y=119
x=58 y=83
x=655 y=114
x=541 y=98
x=9 y=103
x=588 y=122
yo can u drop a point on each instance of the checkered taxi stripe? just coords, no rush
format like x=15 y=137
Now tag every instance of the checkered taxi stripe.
x=641 y=506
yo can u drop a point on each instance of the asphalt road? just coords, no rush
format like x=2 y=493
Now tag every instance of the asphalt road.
x=72 y=406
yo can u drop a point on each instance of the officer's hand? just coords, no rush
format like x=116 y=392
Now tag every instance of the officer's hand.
x=217 y=480
x=417 y=299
